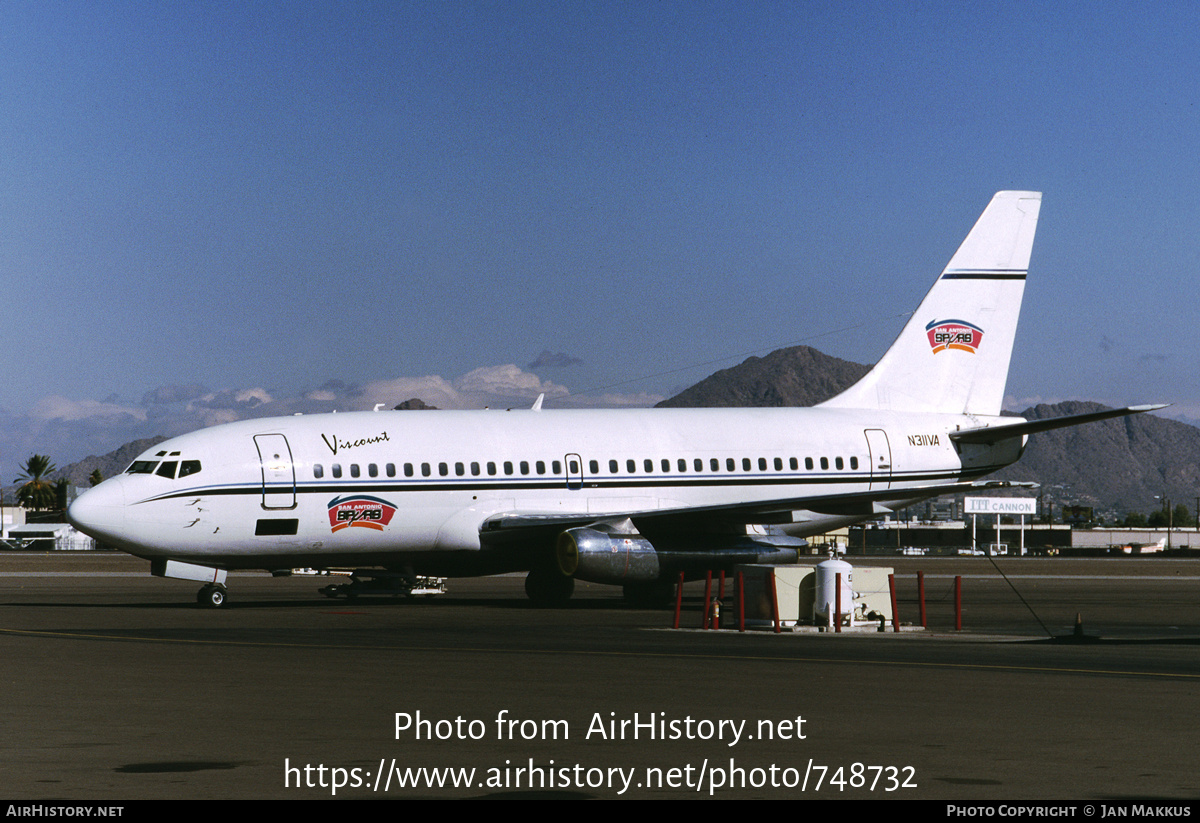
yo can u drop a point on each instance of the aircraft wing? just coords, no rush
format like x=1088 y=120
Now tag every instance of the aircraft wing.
x=504 y=525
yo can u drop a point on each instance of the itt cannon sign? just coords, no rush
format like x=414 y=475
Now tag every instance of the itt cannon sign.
x=999 y=505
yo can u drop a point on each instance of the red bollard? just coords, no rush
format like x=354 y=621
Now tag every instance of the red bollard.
x=921 y=596
x=678 y=601
x=741 y=584
x=707 y=594
x=774 y=599
x=958 y=603
x=895 y=610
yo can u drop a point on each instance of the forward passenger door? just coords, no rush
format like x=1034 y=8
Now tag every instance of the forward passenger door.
x=278 y=471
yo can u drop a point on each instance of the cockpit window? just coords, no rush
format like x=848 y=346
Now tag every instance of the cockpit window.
x=166 y=469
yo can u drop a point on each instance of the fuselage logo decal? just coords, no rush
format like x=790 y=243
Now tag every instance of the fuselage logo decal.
x=359 y=510
x=333 y=442
x=953 y=334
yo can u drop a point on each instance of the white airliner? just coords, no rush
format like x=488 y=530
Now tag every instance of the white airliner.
x=627 y=497
x=1145 y=548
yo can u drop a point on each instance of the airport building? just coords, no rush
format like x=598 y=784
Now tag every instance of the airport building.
x=955 y=538
x=25 y=530
x=10 y=516
x=46 y=537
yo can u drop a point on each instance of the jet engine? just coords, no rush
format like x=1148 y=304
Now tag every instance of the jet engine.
x=624 y=558
x=597 y=557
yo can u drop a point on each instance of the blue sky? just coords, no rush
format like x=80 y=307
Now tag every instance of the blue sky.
x=216 y=210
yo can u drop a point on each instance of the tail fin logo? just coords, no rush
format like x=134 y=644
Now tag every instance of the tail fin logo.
x=953 y=334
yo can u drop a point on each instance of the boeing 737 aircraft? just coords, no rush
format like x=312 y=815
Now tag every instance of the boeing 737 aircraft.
x=627 y=497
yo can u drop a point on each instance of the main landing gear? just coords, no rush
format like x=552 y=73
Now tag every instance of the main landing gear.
x=548 y=587
x=212 y=596
x=387 y=584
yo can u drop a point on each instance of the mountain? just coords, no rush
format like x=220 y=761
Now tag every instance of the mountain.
x=799 y=376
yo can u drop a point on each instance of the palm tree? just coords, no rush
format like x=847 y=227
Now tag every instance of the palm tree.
x=37 y=492
x=62 y=490
x=95 y=478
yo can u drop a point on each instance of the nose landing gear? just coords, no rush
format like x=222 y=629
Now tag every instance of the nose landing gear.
x=212 y=596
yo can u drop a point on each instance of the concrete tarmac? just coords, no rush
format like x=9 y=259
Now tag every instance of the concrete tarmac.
x=118 y=687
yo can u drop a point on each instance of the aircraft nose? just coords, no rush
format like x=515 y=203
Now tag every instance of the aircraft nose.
x=100 y=512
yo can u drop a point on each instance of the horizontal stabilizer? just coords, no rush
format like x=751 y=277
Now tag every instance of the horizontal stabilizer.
x=850 y=505
x=994 y=434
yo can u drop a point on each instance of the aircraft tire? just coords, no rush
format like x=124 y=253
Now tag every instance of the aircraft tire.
x=212 y=596
x=548 y=587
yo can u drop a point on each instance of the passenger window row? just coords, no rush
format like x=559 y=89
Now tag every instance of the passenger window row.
x=539 y=467
x=730 y=464
x=444 y=469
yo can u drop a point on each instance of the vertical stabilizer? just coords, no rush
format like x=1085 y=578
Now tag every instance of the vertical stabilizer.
x=953 y=354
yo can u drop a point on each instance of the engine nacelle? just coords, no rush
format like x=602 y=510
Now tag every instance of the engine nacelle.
x=587 y=554
x=623 y=558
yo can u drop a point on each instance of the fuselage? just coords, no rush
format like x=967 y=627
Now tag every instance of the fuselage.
x=412 y=489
